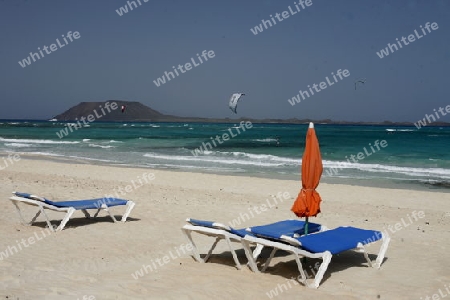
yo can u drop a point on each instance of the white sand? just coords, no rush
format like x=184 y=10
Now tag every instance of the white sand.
x=96 y=259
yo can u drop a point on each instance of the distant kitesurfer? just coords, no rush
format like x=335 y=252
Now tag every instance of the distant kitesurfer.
x=234 y=101
x=360 y=81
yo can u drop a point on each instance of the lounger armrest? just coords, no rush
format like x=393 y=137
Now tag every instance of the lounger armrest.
x=213 y=225
x=29 y=196
x=222 y=226
x=290 y=240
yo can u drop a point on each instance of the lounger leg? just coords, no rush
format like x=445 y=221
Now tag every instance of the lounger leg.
x=195 y=252
x=86 y=214
x=272 y=254
x=300 y=269
x=236 y=260
x=383 y=249
x=41 y=210
x=105 y=208
x=22 y=218
x=205 y=259
x=257 y=251
x=248 y=253
x=66 y=219
x=323 y=267
x=361 y=249
x=35 y=217
x=46 y=218
x=97 y=212
x=130 y=206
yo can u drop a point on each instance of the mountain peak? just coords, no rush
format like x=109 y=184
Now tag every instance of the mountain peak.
x=110 y=111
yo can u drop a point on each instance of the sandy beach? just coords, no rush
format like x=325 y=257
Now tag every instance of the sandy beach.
x=97 y=259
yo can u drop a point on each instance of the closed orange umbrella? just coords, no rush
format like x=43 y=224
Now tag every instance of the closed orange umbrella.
x=308 y=200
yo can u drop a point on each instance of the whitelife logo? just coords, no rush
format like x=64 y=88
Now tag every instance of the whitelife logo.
x=53 y=47
x=124 y=9
x=430 y=118
x=187 y=66
x=280 y=17
x=9 y=161
x=90 y=118
x=318 y=87
x=411 y=38
x=225 y=137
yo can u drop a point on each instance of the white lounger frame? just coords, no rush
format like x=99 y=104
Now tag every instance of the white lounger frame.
x=298 y=253
x=221 y=232
x=68 y=210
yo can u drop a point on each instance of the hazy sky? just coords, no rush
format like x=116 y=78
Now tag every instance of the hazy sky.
x=119 y=57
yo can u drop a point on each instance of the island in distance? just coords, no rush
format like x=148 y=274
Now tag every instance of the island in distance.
x=137 y=112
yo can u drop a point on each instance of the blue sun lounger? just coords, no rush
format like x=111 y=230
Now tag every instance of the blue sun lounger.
x=321 y=245
x=69 y=207
x=291 y=228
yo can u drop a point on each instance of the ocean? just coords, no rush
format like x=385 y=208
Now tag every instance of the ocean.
x=385 y=156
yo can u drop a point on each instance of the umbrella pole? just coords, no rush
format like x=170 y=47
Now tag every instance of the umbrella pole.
x=306 y=232
x=306 y=225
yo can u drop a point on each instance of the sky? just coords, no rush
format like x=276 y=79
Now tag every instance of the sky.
x=118 y=57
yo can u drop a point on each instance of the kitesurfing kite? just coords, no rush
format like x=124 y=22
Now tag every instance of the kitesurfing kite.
x=234 y=101
x=123 y=108
x=360 y=81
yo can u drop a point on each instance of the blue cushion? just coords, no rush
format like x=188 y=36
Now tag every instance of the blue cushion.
x=338 y=240
x=210 y=224
x=23 y=195
x=80 y=204
x=88 y=204
x=274 y=230
x=286 y=227
x=196 y=222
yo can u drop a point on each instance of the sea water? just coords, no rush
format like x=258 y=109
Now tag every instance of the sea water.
x=410 y=157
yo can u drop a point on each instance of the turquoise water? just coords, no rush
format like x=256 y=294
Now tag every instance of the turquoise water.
x=410 y=156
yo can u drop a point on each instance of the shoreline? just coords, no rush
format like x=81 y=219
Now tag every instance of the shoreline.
x=305 y=122
x=362 y=182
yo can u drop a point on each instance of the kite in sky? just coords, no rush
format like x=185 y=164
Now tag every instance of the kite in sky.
x=360 y=81
x=234 y=101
